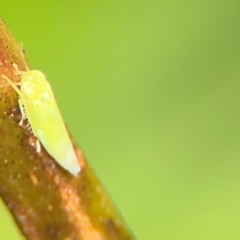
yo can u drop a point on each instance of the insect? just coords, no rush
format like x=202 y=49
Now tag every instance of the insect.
x=37 y=104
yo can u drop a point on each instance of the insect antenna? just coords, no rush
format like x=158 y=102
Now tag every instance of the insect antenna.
x=22 y=55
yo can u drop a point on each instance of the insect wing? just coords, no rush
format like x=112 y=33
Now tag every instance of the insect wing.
x=47 y=123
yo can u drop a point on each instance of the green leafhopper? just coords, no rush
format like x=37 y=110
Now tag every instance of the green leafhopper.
x=37 y=104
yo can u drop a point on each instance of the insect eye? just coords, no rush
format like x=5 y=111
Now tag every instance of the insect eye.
x=46 y=97
x=27 y=88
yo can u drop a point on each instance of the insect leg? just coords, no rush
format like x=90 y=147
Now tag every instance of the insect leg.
x=22 y=110
x=38 y=146
x=13 y=84
x=24 y=116
x=19 y=72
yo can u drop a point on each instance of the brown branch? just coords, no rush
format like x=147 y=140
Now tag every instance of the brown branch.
x=46 y=201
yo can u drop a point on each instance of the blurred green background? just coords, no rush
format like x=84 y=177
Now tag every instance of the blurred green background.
x=151 y=92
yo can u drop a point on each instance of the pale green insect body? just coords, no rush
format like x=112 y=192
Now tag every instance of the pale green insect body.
x=41 y=110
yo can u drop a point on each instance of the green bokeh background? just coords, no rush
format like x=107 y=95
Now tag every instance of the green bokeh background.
x=151 y=92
